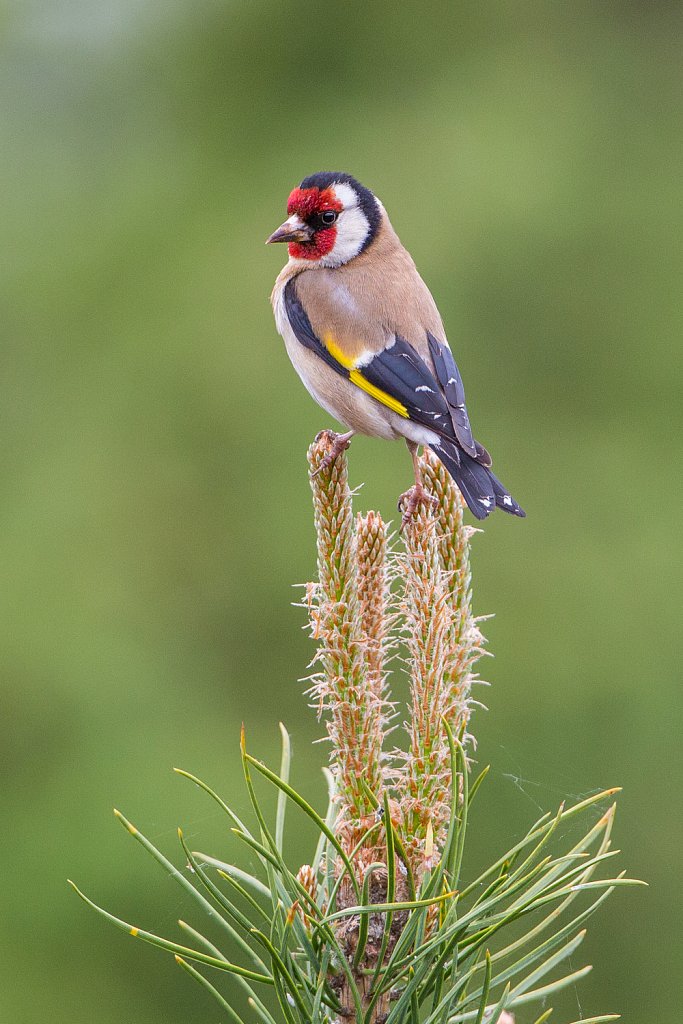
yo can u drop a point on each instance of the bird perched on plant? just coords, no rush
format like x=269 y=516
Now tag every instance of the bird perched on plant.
x=366 y=338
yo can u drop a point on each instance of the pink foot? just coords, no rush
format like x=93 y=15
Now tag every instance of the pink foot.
x=410 y=500
x=338 y=444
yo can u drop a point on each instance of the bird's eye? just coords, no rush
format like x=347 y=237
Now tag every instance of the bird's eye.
x=328 y=217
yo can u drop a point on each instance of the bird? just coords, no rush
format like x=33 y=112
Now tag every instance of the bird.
x=365 y=336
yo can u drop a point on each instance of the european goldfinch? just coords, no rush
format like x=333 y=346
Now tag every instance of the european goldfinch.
x=365 y=336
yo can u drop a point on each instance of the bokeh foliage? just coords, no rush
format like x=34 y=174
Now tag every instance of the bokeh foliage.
x=156 y=506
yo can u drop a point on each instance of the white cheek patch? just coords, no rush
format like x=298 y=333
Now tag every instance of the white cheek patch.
x=352 y=229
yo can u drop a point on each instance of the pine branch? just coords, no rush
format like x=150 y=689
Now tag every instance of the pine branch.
x=374 y=930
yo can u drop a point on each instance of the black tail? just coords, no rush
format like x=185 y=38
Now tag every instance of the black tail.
x=479 y=487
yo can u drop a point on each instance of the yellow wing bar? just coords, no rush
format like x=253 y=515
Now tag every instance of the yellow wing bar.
x=356 y=377
x=382 y=396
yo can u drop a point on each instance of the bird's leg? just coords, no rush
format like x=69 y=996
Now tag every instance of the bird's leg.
x=409 y=500
x=338 y=444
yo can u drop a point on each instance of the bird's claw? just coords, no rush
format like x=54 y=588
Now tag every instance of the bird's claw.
x=338 y=444
x=411 y=499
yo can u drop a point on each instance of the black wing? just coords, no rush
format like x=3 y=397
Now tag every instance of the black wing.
x=451 y=382
x=402 y=373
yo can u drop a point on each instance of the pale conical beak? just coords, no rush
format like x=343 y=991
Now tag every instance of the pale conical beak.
x=293 y=230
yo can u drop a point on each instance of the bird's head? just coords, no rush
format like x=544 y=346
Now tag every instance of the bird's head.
x=332 y=218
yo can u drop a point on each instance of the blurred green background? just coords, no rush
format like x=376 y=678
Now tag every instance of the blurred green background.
x=155 y=505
